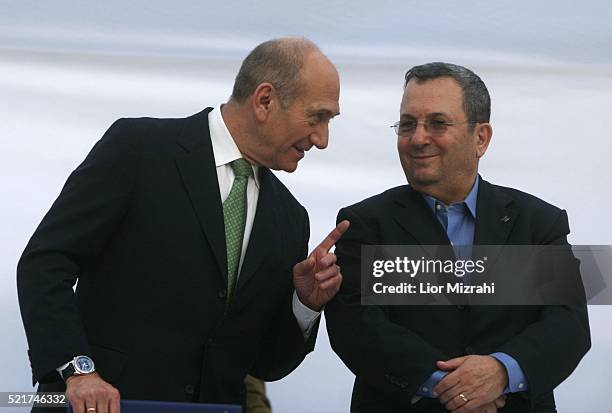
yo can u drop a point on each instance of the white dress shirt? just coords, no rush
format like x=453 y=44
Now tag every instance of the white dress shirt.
x=225 y=151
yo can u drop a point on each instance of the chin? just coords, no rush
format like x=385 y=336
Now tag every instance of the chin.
x=290 y=168
x=287 y=166
x=422 y=178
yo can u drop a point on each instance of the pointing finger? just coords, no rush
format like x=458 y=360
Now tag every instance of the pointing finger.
x=334 y=236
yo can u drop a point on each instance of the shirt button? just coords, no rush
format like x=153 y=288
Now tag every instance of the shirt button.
x=189 y=389
x=521 y=385
x=425 y=389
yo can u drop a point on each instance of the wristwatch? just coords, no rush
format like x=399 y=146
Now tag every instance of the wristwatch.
x=79 y=366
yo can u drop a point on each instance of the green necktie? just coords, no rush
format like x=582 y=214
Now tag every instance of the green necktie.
x=234 y=217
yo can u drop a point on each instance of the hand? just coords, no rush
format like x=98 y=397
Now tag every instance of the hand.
x=480 y=379
x=500 y=401
x=90 y=391
x=490 y=407
x=317 y=279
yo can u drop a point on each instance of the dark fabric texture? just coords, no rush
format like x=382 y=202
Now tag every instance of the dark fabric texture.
x=392 y=350
x=139 y=224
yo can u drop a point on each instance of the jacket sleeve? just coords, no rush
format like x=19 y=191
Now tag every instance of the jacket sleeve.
x=283 y=346
x=386 y=355
x=70 y=237
x=549 y=350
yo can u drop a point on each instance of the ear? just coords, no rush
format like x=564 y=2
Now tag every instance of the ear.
x=263 y=101
x=483 y=134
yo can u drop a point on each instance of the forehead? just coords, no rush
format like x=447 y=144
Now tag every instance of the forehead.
x=440 y=95
x=320 y=84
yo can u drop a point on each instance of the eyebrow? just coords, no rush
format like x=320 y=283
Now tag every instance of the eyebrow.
x=429 y=115
x=327 y=112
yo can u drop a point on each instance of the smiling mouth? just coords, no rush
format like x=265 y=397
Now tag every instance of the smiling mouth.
x=423 y=156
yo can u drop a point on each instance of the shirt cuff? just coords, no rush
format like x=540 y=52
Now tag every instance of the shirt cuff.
x=426 y=389
x=306 y=318
x=517 y=382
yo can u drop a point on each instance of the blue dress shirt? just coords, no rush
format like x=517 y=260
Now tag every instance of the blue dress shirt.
x=459 y=221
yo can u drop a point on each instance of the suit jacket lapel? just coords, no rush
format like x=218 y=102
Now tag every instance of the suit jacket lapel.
x=413 y=214
x=495 y=216
x=196 y=164
x=264 y=225
x=416 y=217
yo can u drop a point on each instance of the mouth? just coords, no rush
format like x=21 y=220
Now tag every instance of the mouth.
x=422 y=157
x=299 y=152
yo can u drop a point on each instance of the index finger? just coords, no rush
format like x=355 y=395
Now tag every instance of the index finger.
x=334 y=236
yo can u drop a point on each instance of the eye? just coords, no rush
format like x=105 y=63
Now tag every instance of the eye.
x=408 y=126
x=322 y=117
x=438 y=125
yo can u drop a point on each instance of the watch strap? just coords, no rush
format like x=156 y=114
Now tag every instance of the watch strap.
x=69 y=371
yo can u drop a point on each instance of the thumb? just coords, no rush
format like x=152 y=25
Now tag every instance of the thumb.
x=451 y=364
x=304 y=267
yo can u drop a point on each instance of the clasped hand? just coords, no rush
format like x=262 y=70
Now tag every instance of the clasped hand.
x=480 y=380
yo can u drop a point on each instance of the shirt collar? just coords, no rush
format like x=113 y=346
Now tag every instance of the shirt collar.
x=224 y=147
x=469 y=201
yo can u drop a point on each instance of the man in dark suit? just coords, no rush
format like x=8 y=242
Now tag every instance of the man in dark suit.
x=190 y=255
x=451 y=358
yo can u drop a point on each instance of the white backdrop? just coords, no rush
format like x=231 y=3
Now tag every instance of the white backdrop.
x=67 y=72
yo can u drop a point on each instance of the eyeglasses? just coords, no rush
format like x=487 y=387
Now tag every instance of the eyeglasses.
x=435 y=127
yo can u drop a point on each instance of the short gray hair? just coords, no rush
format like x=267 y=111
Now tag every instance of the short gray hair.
x=476 y=99
x=276 y=61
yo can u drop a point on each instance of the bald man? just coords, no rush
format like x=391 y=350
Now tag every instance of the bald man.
x=191 y=256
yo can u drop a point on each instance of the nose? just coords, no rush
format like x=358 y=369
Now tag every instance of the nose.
x=320 y=136
x=421 y=135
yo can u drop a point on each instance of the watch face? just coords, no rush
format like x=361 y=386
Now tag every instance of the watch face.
x=83 y=364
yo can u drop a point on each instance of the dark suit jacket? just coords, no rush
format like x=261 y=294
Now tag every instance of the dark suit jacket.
x=140 y=225
x=393 y=350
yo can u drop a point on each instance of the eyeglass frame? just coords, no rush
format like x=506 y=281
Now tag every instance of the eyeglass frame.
x=427 y=123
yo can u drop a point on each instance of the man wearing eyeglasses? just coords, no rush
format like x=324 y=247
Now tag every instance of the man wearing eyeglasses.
x=451 y=358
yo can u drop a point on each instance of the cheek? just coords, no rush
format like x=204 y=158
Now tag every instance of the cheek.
x=403 y=148
x=281 y=143
x=403 y=145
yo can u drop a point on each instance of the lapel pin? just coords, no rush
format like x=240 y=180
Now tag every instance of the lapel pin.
x=506 y=218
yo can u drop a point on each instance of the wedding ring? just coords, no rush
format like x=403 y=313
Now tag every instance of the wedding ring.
x=465 y=399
